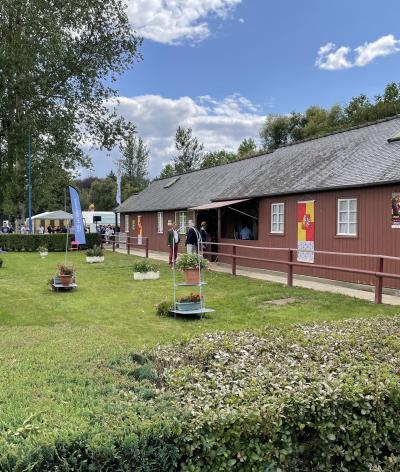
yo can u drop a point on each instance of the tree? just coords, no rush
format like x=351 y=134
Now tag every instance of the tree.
x=216 y=158
x=246 y=148
x=168 y=171
x=102 y=194
x=57 y=61
x=190 y=151
x=275 y=131
x=134 y=163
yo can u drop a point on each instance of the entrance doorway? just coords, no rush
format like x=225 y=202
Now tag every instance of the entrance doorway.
x=211 y=218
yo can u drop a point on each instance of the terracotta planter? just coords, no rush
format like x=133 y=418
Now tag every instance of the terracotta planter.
x=66 y=280
x=192 y=276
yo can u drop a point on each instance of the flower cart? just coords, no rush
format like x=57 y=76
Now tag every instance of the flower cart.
x=192 y=265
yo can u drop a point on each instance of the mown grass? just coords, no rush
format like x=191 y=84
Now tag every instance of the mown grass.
x=56 y=349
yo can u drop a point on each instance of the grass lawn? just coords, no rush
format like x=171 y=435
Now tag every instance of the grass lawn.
x=57 y=349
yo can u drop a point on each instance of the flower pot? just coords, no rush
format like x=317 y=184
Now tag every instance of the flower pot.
x=188 y=306
x=192 y=276
x=44 y=254
x=146 y=275
x=66 y=279
x=94 y=259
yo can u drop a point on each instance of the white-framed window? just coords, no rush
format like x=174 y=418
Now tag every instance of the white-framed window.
x=182 y=221
x=278 y=218
x=126 y=223
x=347 y=217
x=160 y=222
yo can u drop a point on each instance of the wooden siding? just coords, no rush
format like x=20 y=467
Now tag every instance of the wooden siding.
x=375 y=234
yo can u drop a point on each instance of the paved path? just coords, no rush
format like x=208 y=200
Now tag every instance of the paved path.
x=323 y=285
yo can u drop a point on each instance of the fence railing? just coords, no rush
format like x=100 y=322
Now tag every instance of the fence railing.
x=290 y=263
x=122 y=241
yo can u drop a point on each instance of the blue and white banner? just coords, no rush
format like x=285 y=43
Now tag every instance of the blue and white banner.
x=118 y=196
x=79 y=229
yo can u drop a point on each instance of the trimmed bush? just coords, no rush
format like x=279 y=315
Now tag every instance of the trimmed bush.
x=308 y=398
x=54 y=242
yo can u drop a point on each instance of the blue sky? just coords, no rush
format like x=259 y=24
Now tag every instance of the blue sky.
x=220 y=66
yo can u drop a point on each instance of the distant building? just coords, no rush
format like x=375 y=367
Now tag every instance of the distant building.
x=339 y=192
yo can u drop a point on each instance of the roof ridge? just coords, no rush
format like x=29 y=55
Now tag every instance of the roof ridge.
x=271 y=151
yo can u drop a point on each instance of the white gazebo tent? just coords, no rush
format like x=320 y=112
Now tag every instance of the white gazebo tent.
x=54 y=218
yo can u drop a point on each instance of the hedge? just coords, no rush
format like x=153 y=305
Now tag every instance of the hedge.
x=308 y=398
x=54 y=242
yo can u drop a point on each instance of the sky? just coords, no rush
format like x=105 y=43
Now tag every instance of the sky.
x=221 y=66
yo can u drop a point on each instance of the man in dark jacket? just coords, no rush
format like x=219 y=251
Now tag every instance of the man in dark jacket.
x=173 y=242
x=191 y=239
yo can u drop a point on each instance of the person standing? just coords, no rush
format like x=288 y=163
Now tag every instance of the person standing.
x=246 y=233
x=191 y=239
x=204 y=235
x=41 y=229
x=173 y=242
x=23 y=229
x=49 y=229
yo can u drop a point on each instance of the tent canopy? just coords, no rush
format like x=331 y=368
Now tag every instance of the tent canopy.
x=53 y=215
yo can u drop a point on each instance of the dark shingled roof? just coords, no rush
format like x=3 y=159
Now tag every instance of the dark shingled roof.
x=357 y=157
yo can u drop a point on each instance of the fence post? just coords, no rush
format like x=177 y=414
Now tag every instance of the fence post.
x=128 y=244
x=113 y=244
x=379 y=282
x=233 y=260
x=147 y=247
x=290 y=269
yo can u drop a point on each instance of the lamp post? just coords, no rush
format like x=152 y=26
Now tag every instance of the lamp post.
x=29 y=185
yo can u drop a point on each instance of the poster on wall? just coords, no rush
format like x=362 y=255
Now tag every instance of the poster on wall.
x=396 y=210
x=140 y=230
x=305 y=231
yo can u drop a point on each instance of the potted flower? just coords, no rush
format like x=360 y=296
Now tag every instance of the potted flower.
x=191 y=265
x=43 y=251
x=145 y=270
x=94 y=255
x=66 y=274
x=189 y=302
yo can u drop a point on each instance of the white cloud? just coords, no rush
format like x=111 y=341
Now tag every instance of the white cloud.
x=381 y=47
x=219 y=124
x=175 y=21
x=331 y=58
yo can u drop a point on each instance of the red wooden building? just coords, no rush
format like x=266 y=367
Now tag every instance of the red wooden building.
x=337 y=193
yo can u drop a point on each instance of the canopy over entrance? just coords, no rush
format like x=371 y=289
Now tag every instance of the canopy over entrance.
x=213 y=205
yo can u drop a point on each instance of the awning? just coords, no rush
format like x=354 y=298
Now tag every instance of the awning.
x=212 y=205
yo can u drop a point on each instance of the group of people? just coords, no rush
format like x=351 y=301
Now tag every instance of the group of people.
x=193 y=242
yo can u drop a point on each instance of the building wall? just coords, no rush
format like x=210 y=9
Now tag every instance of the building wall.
x=375 y=234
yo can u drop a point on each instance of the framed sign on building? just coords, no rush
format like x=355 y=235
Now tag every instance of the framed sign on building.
x=396 y=210
x=305 y=231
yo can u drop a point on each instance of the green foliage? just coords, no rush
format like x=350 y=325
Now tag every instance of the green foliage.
x=315 y=121
x=55 y=87
x=145 y=265
x=66 y=269
x=95 y=251
x=316 y=398
x=215 y=158
x=190 y=153
x=53 y=242
x=247 y=148
x=134 y=164
x=164 y=309
x=190 y=261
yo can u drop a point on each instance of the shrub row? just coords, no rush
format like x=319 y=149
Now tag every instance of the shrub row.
x=308 y=398
x=54 y=242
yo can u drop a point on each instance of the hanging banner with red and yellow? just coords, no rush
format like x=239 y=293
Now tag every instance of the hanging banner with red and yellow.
x=305 y=231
